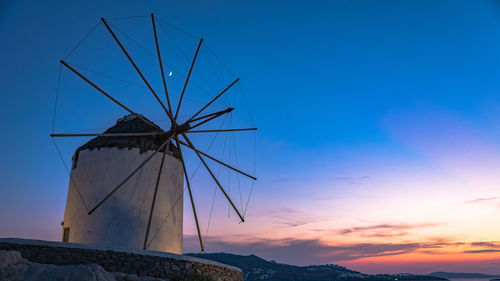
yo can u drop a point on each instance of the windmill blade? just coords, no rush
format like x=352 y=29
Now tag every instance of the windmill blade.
x=153 y=202
x=136 y=68
x=187 y=78
x=214 y=178
x=130 y=176
x=227 y=110
x=107 y=135
x=224 y=130
x=214 y=99
x=161 y=64
x=211 y=118
x=107 y=95
x=190 y=194
x=203 y=117
x=218 y=161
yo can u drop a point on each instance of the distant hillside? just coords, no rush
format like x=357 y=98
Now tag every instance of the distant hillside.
x=255 y=268
x=443 y=274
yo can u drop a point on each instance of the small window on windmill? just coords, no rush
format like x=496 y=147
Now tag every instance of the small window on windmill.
x=66 y=234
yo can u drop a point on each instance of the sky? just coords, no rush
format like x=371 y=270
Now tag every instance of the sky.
x=378 y=141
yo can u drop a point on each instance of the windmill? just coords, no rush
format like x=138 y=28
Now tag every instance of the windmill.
x=124 y=194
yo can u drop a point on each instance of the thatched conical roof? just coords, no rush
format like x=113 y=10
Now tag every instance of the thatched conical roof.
x=129 y=124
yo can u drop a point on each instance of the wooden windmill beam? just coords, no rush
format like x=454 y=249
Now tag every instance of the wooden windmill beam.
x=211 y=118
x=214 y=178
x=187 y=78
x=190 y=194
x=214 y=99
x=130 y=176
x=218 y=161
x=161 y=64
x=153 y=202
x=137 y=68
x=224 y=130
x=106 y=94
x=107 y=135
x=227 y=110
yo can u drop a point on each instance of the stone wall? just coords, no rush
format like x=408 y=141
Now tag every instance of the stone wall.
x=138 y=262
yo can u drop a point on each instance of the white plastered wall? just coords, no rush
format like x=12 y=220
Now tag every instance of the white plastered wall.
x=121 y=221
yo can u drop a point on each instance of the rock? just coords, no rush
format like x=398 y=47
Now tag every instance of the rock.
x=91 y=272
x=128 y=277
x=10 y=257
x=12 y=265
x=14 y=268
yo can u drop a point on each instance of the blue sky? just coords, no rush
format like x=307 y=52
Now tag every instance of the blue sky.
x=353 y=100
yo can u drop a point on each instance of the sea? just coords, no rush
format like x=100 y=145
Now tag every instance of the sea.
x=469 y=279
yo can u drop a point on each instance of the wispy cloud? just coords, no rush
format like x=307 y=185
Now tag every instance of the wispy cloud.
x=481 y=251
x=296 y=251
x=290 y=222
x=385 y=227
x=282 y=179
x=379 y=230
x=314 y=251
x=486 y=200
x=489 y=244
x=351 y=180
x=279 y=211
x=482 y=200
x=385 y=234
x=287 y=217
x=485 y=247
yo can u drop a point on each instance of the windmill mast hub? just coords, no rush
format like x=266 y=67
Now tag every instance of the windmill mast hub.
x=180 y=129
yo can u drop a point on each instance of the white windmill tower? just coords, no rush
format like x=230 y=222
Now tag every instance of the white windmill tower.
x=124 y=179
x=102 y=162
